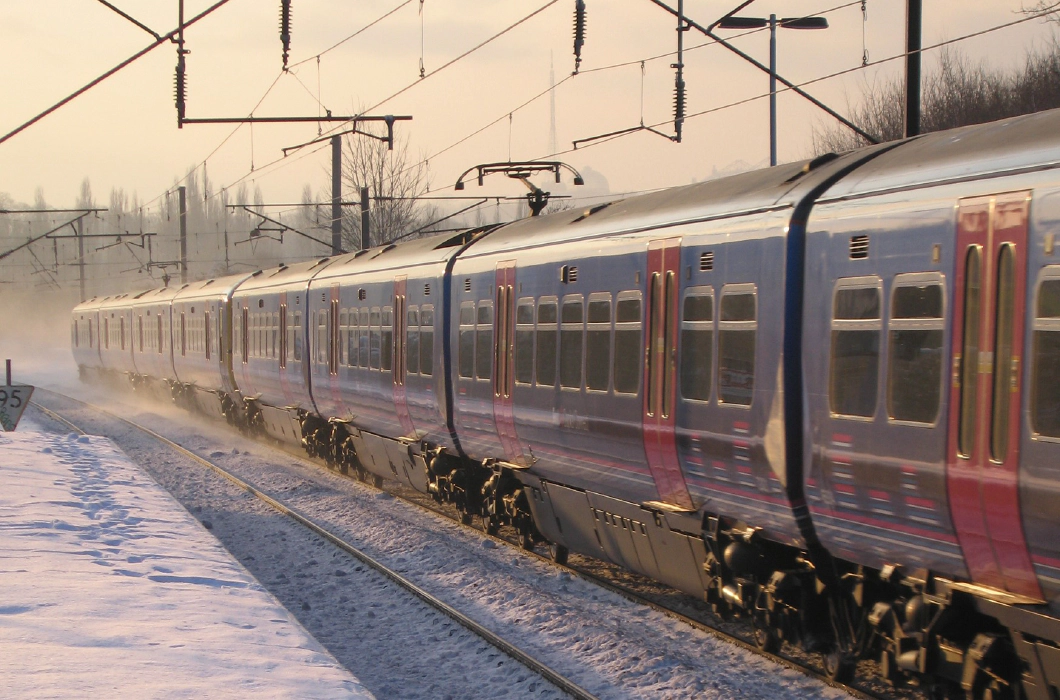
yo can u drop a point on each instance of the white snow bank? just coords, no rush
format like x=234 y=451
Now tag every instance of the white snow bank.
x=108 y=587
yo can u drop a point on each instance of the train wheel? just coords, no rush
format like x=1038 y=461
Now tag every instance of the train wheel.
x=839 y=665
x=764 y=635
x=526 y=540
x=490 y=524
x=558 y=553
x=465 y=518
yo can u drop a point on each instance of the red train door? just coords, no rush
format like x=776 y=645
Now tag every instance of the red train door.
x=660 y=370
x=401 y=404
x=504 y=361
x=984 y=423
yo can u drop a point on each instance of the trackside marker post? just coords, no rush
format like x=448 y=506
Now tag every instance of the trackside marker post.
x=13 y=401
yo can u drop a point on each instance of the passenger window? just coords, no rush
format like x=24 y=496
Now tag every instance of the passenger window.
x=484 y=340
x=571 y=342
x=426 y=340
x=373 y=338
x=855 y=352
x=386 y=349
x=737 y=331
x=344 y=324
x=467 y=339
x=364 y=345
x=628 y=348
x=914 y=373
x=412 y=342
x=1045 y=397
x=322 y=337
x=352 y=332
x=547 y=330
x=524 y=341
x=697 y=344
x=598 y=343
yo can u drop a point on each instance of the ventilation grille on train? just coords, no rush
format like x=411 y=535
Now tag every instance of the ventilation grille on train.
x=361 y=295
x=859 y=247
x=467 y=284
x=706 y=262
x=568 y=274
x=426 y=290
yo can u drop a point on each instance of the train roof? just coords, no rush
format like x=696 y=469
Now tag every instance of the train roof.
x=428 y=250
x=1008 y=146
x=283 y=275
x=218 y=288
x=759 y=190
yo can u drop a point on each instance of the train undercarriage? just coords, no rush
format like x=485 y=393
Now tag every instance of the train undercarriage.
x=953 y=639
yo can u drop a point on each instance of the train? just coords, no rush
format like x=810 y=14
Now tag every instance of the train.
x=822 y=396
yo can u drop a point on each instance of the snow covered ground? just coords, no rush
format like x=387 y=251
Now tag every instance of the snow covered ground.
x=109 y=588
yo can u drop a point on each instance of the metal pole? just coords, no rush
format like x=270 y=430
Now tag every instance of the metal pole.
x=365 y=238
x=336 y=195
x=8 y=373
x=772 y=90
x=183 y=235
x=914 y=16
x=81 y=255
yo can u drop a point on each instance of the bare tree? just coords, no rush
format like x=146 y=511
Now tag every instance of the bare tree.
x=393 y=179
x=957 y=93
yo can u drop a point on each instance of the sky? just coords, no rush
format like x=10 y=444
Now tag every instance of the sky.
x=123 y=133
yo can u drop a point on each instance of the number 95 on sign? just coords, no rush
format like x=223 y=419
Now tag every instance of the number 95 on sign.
x=13 y=401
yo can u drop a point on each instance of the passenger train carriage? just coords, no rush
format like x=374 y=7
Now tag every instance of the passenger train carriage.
x=825 y=396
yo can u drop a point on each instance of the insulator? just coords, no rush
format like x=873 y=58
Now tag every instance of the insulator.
x=180 y=88
x=579 y=32
x=285 y=28
x=679 y=105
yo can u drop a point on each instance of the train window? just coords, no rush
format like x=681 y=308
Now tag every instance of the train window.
x=321 y=338
x=350 y=339
x=159 y=317
x=970 y=350
x=737 y=331
x=547 y=341
x=373 y=338
x=122 y=324
x=697 y=344
x=628 y=348
x=467 y=339
x=855 y=355
x=571 y=343
x=364 y=344
x=484 y=340
x=1045 y=399
x=598 y=343
x=426 y=340
x=1005 y=310
x=914 y=372
x=524 y=341
x=295 y=329
x=386 y=345
x=412 y=342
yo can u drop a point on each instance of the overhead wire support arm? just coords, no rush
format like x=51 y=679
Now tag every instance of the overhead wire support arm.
x=135 y=21
x=139 y=54
x=46 y=234
x=388 y=139
x=284 y=226
x=708 y=31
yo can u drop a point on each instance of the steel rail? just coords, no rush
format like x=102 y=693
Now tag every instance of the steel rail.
x=561 y=682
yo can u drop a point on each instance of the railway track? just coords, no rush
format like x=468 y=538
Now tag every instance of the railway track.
x=503 y=645
x=602 y=575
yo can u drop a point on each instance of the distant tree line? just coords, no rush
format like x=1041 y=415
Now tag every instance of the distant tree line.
x=958 y=92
